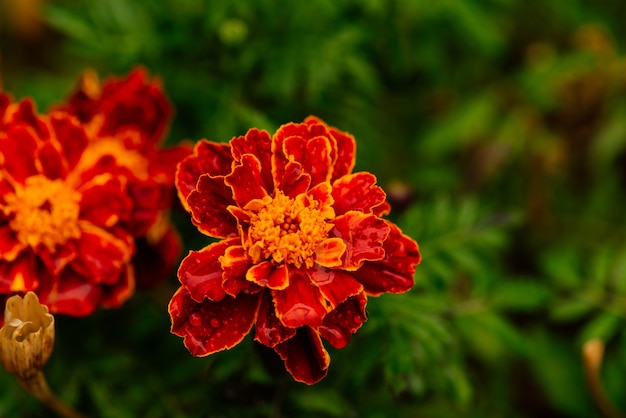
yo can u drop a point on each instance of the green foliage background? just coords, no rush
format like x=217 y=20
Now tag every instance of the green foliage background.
x=498 y=128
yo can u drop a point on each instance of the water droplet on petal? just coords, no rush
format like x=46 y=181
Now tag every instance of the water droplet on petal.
x=215 y=322
x=195 y=319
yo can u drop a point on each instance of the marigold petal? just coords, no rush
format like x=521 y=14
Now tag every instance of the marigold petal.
x=343 y=321
x=266 y=274
x=258 y=143
x=364 y=236
x=71 y=136
x=70 y=294
x=10 y=246
x=104 y=201
x=301 y=303
x=201 y=271
x=49 y=161
x=305 y=357
x=322 y=193
x=17 y=149
x=114 y=295
x=336 y=285
x=395 y=273
x=62 y=256
x=245 y=180
x=210 y=158
x=164 y=162
x=209 y=207
x=313 y=153
x=346 y=153
x=269 y=330
x=209 y=326
x=19 y=275
x=100 y=255
x=359 y=192
x=236 y=264
x=147 y=199
x=294 y=180
x=329 y=252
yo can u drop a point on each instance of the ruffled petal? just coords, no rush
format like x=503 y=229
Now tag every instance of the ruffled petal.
x=104 y=201
x=210 y=158
x=395 y=273
x=201 y=271
x=10 y=246
x=209 y=207
x=358 y=192
x=364 y=236
x=346 y=153
x=71 y=136
x=114 y=295
x=313 y=153
x=17 y=149
x=209 y=326
x=305 y=357
x=55 y=262
x=259 y=144
x=19 y=275
x=343 y=321
x=236 y=263
x=164 y=162
x=293 y=180
x=70 y=294
x=245 y=180
x=266 y=274
x=49 y=161
x=301 y=303
x=330 y=252
x=269 y=330
x=336 y=285
x=100 y=255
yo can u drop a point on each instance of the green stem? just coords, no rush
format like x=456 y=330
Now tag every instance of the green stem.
x=38 y=387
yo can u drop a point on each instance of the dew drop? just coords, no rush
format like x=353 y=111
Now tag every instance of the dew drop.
x=195 y=319
x=215 y=323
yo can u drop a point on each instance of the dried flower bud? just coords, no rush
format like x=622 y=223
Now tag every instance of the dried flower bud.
x=27 y=337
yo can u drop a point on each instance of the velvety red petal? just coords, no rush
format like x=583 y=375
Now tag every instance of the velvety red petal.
x=292 y=180
x=201 y=272
x=71 y=136
x=236 y=263
x=265 y=274
x=259 y=144
x=364 y=236
x=62 y=256
x=70 y=294
x=49 y=161
x=100 y=255
x=245 y=180
x=10 y=247
x=163 y=164
x=26 y=115
x=269 y=330
x=19 y=275
x=322 y=193
x=305 y=357
x=359 y=192
x=346 y=153
x=314 y=154
x=104 y=201
x=209 y=207
x=336 y=285
x=301 y=303
x=395 y=273
x=115 y=294
x=18 y=149
x=210 y=158
x=343 y=321
x=209 y=326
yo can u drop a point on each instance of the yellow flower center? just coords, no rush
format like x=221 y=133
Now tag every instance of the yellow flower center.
x=44 y=212
x=287 y=230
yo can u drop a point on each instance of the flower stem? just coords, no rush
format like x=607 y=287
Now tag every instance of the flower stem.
x=38 y=387
x=593 y=352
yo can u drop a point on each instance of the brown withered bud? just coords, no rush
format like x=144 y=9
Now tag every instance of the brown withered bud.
x=27 y=337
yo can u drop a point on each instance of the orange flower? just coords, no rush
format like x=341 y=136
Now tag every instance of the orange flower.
x=126 y=119
x=60 y=228
x=302 y=245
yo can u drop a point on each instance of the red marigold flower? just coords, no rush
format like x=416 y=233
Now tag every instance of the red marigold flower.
x=60 y=230
x=126 y=119
x=302 y=245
